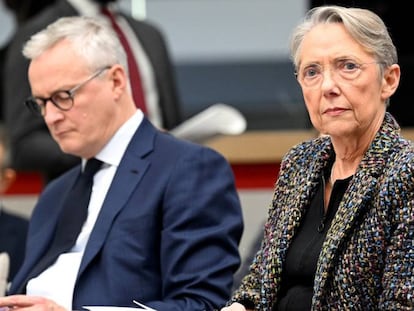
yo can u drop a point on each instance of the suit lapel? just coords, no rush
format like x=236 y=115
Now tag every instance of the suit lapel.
x=356 y=200
x=127 y=178
x=40 y=240
x=291 y=202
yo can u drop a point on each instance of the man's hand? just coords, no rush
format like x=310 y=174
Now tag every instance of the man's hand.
x=16 y=302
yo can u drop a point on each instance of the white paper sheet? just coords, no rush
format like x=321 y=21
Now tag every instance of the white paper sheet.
x=114 y=308
x=111 y=308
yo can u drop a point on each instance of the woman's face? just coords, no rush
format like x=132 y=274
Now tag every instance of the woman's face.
x=341 y=84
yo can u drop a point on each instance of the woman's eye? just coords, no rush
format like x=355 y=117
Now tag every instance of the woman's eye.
x=310 y=72
x=349 y=66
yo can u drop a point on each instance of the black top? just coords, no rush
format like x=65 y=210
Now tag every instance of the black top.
x=301 y=260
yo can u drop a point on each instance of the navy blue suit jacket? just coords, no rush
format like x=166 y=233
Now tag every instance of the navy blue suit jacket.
x=167 y=234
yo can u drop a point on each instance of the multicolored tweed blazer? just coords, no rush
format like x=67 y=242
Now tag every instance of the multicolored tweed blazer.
x=367 y=259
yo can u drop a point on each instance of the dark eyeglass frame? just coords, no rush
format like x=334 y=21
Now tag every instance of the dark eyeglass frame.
x=37 y=105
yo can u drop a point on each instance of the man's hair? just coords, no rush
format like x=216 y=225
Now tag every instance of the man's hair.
x=92 y=38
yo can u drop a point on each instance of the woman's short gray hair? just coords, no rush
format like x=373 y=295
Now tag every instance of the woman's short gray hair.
x=366 y=27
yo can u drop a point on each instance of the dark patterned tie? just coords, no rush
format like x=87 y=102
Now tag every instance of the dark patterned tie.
x=71 y=220
x=134 y=75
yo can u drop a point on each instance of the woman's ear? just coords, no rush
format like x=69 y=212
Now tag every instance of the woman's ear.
x=391 y=80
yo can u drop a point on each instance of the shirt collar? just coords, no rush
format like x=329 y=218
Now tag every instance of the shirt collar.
x=114 y=150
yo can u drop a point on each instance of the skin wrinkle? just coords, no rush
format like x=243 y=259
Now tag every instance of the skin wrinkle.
x=358 y=140
x=79 y=137
x=362 y=101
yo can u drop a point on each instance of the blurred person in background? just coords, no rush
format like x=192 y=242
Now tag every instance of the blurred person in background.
x=13 y=228
x=32 y=146
x=22 y=10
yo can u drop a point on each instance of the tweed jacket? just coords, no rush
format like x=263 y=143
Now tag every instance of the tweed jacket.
x=367 y=259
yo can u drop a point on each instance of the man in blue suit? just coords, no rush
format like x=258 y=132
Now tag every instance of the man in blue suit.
x=164 y=219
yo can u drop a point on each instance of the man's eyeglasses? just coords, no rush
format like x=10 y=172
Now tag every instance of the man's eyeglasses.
x=342 y=70
x=63 y=100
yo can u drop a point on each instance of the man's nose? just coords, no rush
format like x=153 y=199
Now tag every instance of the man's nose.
x=51 y=112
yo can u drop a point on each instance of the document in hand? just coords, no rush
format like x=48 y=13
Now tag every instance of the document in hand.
x=113 y=308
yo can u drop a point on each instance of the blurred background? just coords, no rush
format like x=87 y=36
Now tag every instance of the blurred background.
x=236 y=52
x=230 y=51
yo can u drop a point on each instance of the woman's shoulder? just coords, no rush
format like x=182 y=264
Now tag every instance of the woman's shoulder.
x=310 y=148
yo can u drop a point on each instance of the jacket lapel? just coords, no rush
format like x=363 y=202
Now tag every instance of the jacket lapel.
x=290 y=203
x=127 y=178
x=356 y=200
x=40 y=240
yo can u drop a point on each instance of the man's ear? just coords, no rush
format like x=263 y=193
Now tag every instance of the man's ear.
x=119 y=78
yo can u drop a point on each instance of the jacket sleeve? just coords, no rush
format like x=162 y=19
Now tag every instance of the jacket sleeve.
x=202 y=227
